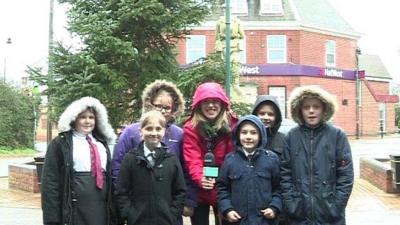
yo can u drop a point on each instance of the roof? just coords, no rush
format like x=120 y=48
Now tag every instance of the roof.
x=314 y=15
x=373 y=66
x=321 y=14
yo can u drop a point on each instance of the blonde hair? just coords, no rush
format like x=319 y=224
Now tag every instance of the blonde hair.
x=150 y=115
x=222 y=118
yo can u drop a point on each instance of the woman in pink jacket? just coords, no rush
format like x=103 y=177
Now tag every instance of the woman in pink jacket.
x=206 y=140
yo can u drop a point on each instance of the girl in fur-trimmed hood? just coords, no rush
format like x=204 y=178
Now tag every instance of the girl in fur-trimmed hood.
x=154 y=89
x=76 y=175
x=312 y=91
x=103 y=127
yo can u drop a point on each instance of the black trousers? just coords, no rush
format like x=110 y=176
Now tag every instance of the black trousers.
x=201 y=215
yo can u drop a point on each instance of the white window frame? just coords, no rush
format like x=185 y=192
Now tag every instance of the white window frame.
x=242 y=53
x=280 y=93
x=271 y=48
x=201 y=49
x=382 y=115
x=330 y=51
x=239 y=7
x=271 y=7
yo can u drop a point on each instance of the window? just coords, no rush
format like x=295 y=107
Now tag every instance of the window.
x=242 y=54
x=276 y=49
x=238 y=6
x=280 y=94
x=382 y=116
x=195 y=47
x=271 y=7
x=330 y=53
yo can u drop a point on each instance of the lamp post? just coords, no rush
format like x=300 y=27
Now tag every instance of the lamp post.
x=49 y=74
x=358 y=95
x=8 y=42
x=227 y=48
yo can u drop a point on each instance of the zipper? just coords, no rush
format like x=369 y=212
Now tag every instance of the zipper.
x=312 y=174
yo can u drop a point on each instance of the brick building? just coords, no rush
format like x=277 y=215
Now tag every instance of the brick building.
x=290 y=43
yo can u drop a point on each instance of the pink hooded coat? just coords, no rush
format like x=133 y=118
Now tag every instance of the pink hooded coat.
x=194 y=144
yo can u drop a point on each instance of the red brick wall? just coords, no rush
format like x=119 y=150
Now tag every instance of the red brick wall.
x=312 y=50
x=304 y=47
x=342 y=89
x=23 y=177
x=377 y=173
x=308 y=48
x=370 y=109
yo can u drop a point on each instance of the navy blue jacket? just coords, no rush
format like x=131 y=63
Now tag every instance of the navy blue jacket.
x=317 y=175
x=248 y=186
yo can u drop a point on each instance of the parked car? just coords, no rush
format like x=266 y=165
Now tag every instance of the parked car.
x=286 y=125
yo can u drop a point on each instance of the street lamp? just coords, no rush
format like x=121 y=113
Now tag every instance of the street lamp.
x=8 y=42
x=358 y=94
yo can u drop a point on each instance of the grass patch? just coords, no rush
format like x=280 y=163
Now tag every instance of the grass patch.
x=11 y=152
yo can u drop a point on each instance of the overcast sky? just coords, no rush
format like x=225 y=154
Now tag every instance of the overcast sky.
x=26 y=23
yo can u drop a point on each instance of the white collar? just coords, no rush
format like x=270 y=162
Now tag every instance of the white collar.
x=80 y=135
x=247 y=153
x=147 y=151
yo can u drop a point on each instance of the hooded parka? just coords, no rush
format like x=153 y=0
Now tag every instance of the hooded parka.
x=130 y=137
x=250 y=185
x=58 y=173
x=276 y=140
x=317 y=169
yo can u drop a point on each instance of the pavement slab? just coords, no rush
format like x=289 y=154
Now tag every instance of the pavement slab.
x=368 y=205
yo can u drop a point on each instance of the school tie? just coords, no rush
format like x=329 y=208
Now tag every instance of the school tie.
x=95 y=163
x=151 y=157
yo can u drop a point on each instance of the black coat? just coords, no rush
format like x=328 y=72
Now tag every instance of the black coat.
x=149 y=194
x=57 y=175
x=317 y=175
x=276 y=140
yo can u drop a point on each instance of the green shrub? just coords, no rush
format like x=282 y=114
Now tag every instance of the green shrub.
x=16 y=118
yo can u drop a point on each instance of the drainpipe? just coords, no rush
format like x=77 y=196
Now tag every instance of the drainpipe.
x=358 y=95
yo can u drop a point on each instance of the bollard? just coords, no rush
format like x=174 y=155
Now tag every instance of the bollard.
x=39 y=161
x=395 y=165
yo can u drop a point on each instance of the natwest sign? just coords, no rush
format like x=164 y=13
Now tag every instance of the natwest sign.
x=249 y=70
x=330 y=72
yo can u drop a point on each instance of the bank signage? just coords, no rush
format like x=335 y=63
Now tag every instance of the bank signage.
x=286 y=69
x=249 y=70
x=329 y=72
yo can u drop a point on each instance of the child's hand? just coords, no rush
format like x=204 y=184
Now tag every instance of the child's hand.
x=233 y=216
x=207 y=183
x=268 y=213
x=187 y=211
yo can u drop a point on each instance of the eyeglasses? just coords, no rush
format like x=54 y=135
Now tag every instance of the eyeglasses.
x=159 y=107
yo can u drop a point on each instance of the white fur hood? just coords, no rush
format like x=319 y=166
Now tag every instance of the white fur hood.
x=75 y=108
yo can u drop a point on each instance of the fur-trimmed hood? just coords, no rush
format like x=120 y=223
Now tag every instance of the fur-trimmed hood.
x=70 y=114
x=153 y=89
x=311 y=91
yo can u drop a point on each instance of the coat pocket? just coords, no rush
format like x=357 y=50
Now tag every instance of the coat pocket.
x=294 y=206
x=132 y=215
x=327 y=208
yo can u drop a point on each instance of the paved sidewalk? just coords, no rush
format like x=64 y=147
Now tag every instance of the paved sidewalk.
x=367 y=206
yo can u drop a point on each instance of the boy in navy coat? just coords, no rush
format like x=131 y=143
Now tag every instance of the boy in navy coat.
x=248 y=185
